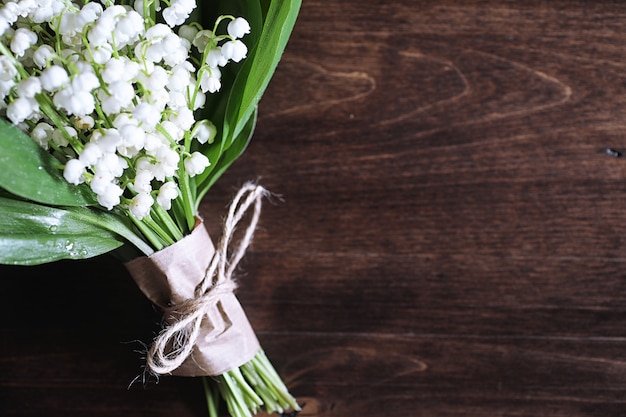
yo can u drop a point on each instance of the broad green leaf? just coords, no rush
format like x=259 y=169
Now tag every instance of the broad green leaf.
x=32 y=234
x=28 y=171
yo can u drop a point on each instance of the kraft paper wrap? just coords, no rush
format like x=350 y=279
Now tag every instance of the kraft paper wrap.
x=170 y=277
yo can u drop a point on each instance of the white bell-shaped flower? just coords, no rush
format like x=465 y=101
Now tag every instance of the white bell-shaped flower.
x=172 y=131
x=42 y=54
x=211 y=80
x=22 y=108
x=111 y=163
x=83 y=122
x=109 y=140
x=166 y=163
x=133 y=140
x=91 y=153
x=128 y=29
x=8 y=71
x=143 y=181
x=10 y=12
x=100 y=181
x=204 y=132
x=180 y=77
x=234 y=50
x=148 y=115
x=119 y=97
x=42 y=134
x=238 y=28
x=215 y=58
x=202 y=39
x=178 y=12
x=102 y=53
x=196 y=163
x=183 y=118
x=28 y=87
x=167 y=193
x=74 y=172
x=119 y=69
x=140 y=205
x=110 y=197
x=23 y=39
x=54 y=78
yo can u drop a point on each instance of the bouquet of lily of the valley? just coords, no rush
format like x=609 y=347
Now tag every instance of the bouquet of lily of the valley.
x=116 y=118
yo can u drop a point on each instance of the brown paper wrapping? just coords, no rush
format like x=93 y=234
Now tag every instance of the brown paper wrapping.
x=170 y=277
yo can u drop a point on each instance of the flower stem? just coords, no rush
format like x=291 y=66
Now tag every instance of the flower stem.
x=261 y=366
x=158 y=230
x=187 y=199
x=233 y=394
x=211 y=397
x=155 y=240
x=167 y=222
x=253 y=386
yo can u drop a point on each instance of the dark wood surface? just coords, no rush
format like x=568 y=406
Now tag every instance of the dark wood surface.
x=450 y=239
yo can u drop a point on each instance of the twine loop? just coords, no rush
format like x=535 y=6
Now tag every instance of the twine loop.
x=176 y=341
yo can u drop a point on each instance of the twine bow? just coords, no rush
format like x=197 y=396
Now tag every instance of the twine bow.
x=176 y=342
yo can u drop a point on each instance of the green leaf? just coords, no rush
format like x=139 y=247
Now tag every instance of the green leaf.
x=32 y=173
x=260 y=66
x=32 y=234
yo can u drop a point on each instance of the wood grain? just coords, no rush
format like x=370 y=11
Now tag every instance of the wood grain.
x=447 y=236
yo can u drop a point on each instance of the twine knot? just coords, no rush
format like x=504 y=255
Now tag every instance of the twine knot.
x=176 y=341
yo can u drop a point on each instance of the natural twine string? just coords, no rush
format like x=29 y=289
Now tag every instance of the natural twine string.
x=176 y=342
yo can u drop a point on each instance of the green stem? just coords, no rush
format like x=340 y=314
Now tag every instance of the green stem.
x=186 y=196
x=158 y=231
x=166 y=220
x=233 y=397
x=262 y=366
x=252 y=400
x=178 y=212
x=211 y=397
x=253 y=386
x=156 y=242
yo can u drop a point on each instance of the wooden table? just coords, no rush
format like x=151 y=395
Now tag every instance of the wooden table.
x=449 y=240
